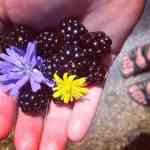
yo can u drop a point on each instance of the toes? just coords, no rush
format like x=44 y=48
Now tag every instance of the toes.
x=136 y=62
x=137 y=95
x=127 y=66
x=140 y=92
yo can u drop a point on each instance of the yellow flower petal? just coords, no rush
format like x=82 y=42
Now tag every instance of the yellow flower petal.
x=57 y=94
x=57 y=78
x=71 y=78
x=80 y=81
x=66 y=98
x=65 y=76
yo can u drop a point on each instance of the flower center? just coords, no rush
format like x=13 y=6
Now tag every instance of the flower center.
x=68 y=88
x=27 y=69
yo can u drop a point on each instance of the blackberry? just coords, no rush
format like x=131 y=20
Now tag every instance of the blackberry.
x=72 y=29
x=34 y=103
x=19 y=36
x=96 y=73
x=96 y=43
x=47 y=42
x=92 y=69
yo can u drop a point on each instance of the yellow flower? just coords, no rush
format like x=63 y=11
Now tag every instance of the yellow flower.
x=69 y=88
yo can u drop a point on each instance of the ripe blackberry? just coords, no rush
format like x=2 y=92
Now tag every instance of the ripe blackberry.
x=92 y=69
x=19 y=36
x=72 y=29
x=34 y=103
x=96 y=73
x=47 y=42
x=96 y=43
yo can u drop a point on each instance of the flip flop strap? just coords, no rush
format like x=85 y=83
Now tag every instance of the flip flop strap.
x=144 y=90
x=137 y=69
x=144 y=53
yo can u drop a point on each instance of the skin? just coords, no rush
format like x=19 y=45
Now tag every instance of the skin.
x=52 y=133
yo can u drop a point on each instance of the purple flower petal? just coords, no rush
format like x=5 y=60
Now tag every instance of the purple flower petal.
x=11 y=81
x=18 y=85
x=34 y=85
x=10 y=59
x=50 y=83
x=33 y=61
x=31 y=51
x=3 y=64
x=19 y=51
x=15 y=75
x=11 y=76
x=5 y=67
x=3 y=77
x=12 y=53
x=37 y=76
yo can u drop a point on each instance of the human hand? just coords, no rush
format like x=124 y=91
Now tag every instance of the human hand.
x=63 y=123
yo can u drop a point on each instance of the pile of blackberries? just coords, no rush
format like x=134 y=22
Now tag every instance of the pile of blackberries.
x=67 y=48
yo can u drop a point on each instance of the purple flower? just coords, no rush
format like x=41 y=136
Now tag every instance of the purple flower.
x=18 y=67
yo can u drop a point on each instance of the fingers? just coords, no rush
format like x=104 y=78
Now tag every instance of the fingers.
x=28 y=132
x=7 y=114
x=83 y=113
x=55 y=129
x=49 y=12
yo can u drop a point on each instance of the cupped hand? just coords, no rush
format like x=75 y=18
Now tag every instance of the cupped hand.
x=116 y=18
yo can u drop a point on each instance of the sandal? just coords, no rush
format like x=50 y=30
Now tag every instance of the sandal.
x=137 y=67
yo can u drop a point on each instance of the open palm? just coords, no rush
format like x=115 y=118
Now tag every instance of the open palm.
x=116 y=18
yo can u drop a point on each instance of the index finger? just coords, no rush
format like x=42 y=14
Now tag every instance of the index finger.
x=8 y=110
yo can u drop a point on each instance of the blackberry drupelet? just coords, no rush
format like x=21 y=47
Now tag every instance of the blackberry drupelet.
x=34 y=103
x=48 y=42
x=19 y=36
x=72 y=29
x=2 y=42
x=96 y=43
x=46 y=67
